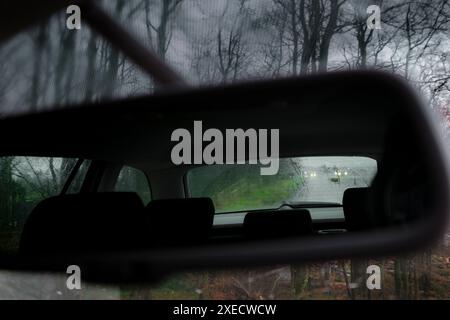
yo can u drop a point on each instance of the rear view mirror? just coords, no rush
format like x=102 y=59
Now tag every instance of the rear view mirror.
x=370 y=124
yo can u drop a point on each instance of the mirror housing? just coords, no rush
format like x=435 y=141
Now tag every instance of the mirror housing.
x=335 y=113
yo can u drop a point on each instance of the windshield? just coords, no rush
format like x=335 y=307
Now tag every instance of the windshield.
x=303 y=180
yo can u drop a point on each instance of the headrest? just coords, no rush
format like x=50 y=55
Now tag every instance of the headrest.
x=178 y=221
x=355 y=209
x=277 y=223
x=84 y=222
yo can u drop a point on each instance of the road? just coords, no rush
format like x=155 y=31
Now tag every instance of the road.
x=322 y=189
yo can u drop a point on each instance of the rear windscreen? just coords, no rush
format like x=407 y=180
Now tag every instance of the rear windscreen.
x=241 y=187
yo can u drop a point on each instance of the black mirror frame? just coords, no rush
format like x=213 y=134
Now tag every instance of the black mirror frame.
x=149 y=265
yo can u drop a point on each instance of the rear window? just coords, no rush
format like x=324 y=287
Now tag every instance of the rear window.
x=302 y=180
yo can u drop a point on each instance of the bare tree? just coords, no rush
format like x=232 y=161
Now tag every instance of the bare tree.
x=226 y=56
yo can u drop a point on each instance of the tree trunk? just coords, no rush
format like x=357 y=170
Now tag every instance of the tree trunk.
x=328 y=35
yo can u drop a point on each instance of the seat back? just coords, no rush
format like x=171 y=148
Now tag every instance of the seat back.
x=86 y=222
x=277 y=223
x=355 y=209
x=180 y=221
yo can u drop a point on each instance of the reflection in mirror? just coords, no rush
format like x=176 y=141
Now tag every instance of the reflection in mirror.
x=317 y=195
x=311 y=195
